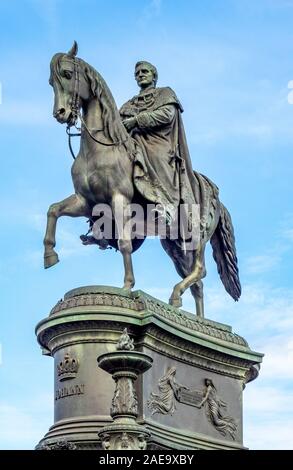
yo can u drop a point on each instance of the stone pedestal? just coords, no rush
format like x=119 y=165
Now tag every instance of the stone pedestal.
x=191 y=398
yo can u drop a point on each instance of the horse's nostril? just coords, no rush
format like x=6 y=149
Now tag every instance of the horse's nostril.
x=59 y=113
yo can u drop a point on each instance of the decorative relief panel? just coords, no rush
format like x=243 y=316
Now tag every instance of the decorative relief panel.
x=171 y=392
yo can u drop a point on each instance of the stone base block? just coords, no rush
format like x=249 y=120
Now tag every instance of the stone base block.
x=191 y=398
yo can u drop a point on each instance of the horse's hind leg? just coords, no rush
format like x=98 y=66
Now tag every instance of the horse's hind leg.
x=198 y=272
x=73 y=206
x=197 y=293
x=119 y=206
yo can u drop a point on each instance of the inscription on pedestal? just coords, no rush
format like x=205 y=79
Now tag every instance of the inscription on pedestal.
x=189 y=397
x=69 y=391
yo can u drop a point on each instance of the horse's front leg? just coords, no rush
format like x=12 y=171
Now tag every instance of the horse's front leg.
x=119 y=206
x=73 y=206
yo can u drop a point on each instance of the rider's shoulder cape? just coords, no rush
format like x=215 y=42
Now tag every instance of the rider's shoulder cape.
x=150 y=101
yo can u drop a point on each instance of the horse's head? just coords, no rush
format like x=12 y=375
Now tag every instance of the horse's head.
x=71 y=82
x=75 y=84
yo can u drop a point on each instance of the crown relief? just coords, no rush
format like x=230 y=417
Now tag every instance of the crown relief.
x=67 y=368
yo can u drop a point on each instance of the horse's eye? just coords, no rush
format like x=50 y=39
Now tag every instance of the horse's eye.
x=67 y=74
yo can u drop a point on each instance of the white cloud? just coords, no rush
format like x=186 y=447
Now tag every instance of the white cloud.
x=278 y=358
x=267 y=400
x=25 y=113
x=69 y=244
x=155 y=5
x=286 y=230
x=268 y=414
x=152 y=9
x=36 y=219
x=33 y=258
x=288 y=233
x=267 y=120
x=259 y=130
x=262 y=263
x=162 y=293
x=23 y=428
x=273 y=434
x=263 y=309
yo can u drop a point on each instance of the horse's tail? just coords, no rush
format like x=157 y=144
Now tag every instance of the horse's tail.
x=224 y=252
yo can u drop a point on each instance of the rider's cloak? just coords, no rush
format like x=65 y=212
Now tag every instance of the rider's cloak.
x=162 y=168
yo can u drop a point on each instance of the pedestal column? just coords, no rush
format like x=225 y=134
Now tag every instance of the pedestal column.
x=125 y=365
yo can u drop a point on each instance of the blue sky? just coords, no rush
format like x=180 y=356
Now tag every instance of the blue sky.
x=229 y=62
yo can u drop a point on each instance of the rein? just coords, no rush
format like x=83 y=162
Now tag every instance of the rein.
x=76 y=134
x=77 y=114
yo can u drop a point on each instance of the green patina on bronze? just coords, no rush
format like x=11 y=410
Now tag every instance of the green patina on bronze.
x=90 y=322
x=139 y=155
x=125 y=365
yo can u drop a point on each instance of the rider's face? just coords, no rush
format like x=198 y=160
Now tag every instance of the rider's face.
x=144 y=76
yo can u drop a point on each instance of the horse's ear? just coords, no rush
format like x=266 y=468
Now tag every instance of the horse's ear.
x=73 y=50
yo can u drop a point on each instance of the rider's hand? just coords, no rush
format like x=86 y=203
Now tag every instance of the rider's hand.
x=130 y=123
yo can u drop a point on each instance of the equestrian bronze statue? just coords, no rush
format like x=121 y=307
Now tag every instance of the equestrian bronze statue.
x=138 y=156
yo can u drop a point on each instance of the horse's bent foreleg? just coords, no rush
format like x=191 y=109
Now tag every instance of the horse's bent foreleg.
x=119 y=205
x=197 y=273
x=73 y=206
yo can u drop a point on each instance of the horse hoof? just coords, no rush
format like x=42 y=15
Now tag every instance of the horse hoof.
x=176 y=302
x=50 y=260
x=128 y=286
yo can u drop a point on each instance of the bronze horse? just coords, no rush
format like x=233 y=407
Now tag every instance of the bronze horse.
x=102 y=173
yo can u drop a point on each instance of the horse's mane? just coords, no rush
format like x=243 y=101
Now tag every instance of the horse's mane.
x=113 y=126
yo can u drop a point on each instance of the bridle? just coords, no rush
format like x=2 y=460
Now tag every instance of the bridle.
x=76 y=114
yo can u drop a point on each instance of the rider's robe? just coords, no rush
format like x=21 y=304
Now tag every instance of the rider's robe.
x=162 y=169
